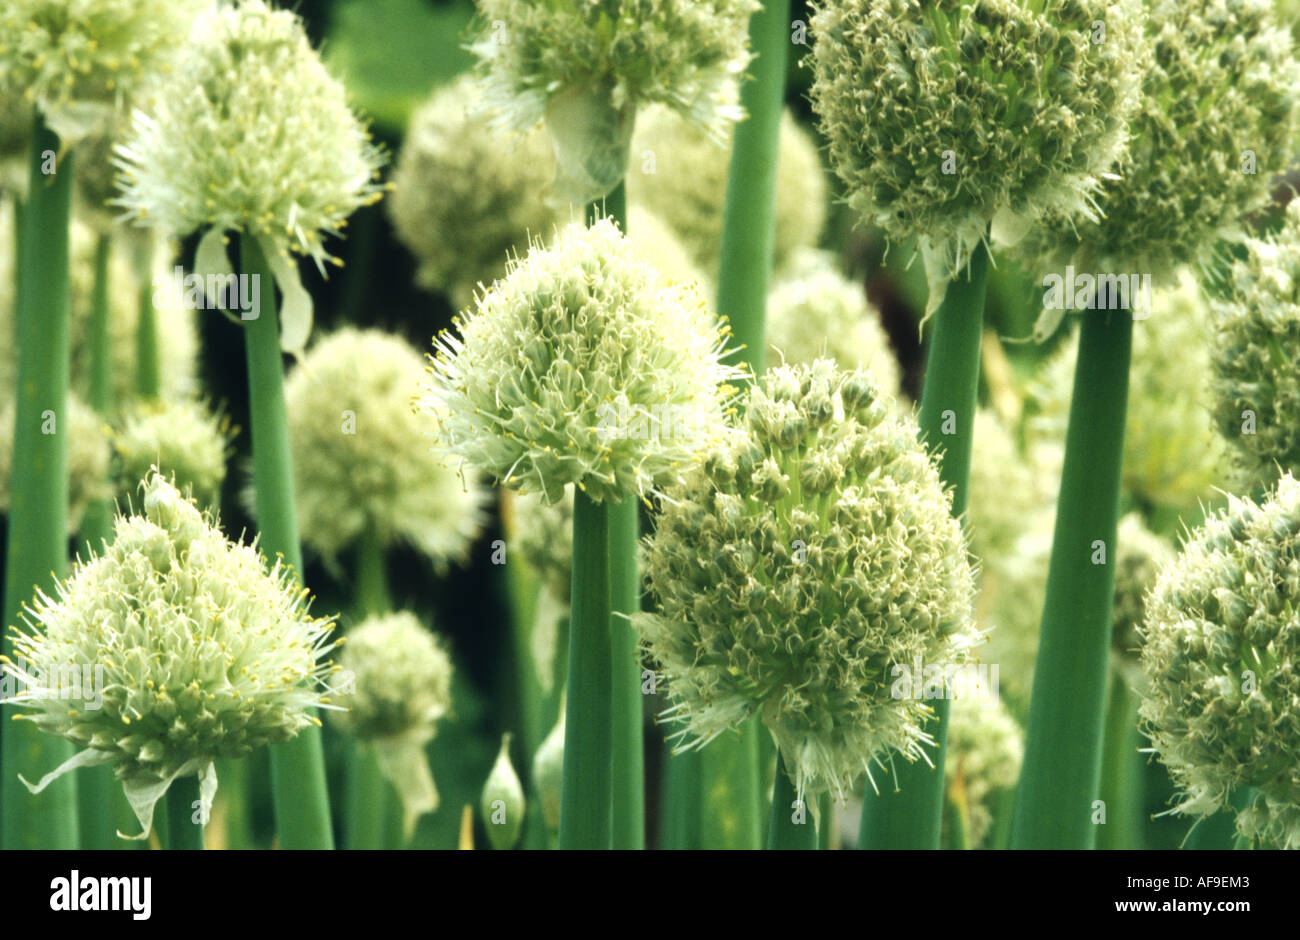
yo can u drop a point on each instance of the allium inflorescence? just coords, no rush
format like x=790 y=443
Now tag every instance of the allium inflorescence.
x=945 y=117
x=199 y=653
x=183 y=438
x=587 y=66
x=1140 y=556
x=583 y=365
x=1216 y=120
x=364 y=464
x=250 y=133
x=396 y=677
x=1255 y=381
x=797 y=565
x=465 y=196
x=985 y=748
x=1220 y=647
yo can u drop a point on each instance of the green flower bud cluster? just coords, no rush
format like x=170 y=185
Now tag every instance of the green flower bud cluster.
x=583 y=365
x=1256 y=385
x=1216 y=120
x=680 y=172
x=80 y=60
x=985 y=748
x=820 y=313
x=798 y=564
x=88 y=454
x=945 y=117
x=587 y=67
x=1220 y=644
x=192 y=652
x=364 y=464
x=396 y=680
x=502 y=802
x=183 y=438
x=466 y=196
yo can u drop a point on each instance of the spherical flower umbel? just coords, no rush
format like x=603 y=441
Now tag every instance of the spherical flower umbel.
x=1220 y=649
x=250 y=133
x=183 y=438
x=945 y=117
x=587 y=67
x=797 y=565
x=1255 y=381
x=396 y=685
x=583 y=365
x=187 y=648
x=985 y=749
x=465 y=196
x=365 y=464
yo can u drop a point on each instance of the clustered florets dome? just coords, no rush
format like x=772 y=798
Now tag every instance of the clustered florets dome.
x=583 y=365
x=1256 y=332
x=183 y=438
x=197 y=653
x=945 y=117
x=587 y=66
x=466 y=196
x=1220 y=647
x=365 y=464
x=797 y=565
x=985 y=750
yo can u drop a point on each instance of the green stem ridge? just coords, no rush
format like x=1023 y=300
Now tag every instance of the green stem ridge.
x=181 y=800
x=585 y=801
x=371 y=593
x=627 y=772
x=784 y=832
x=147 y=382
x=1060 y=777
x=368 y=798
x=37 y=551
x=297 y=766
x=909 y=815
x=1121 y=769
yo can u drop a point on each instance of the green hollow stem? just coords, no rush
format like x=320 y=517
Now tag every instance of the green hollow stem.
x=147 y=382
x=182 y=806
x=297 y=766
x=371 y=594
x=367 y=799
x=1060 y=777
x=37 y=552
x=958 y=822
x=731 y=805
x=1121 y=770
x=909 y=815
x=680 y=816
x=792 y=825
x=585 y=798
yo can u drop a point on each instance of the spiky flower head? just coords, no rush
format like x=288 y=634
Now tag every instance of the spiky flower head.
x=797 y=565
x=365 y=464
x=465 y=195
x=660 y=244
x=249 y=133
x=1216 y=120
x=943 y=118
x=1140 y=556
x=820 y=313
x=88 y=454
x=79 y=61
x=183 y=438
x=190 y=649
x=502 y=802
x=1172 y=456
x=985 y=749
x=396 y=677
x=583 y=365
x=1220 y=646
x=586 y=67
x=680 y=172
x=1256 y=385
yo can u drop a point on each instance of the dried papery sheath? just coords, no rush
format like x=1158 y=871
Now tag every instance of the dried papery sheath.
x=800 y=568
x=186 y=649
x=396 y=685
x=465 y=196
x=364 y=463
x=586 y=67
x=946 y=117
x=1219 y=647
x=583 y=365
x=183 y=438
x=1216 y=120
x=78 y=61
x=1255 y=380
x=680 y=172
x=249 y=133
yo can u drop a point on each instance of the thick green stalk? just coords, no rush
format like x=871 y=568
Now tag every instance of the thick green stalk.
x=958 y=821
x=680 y=813
x=182 y=800
x=1121 y=770
x=371 y=594
x=1060 y=778
x=147 y=382
x=909 y=815
x=368 y=799
x=298 y=766
x=731 y=808
x=37 y=552
x=792 y=826
x=585 y=801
